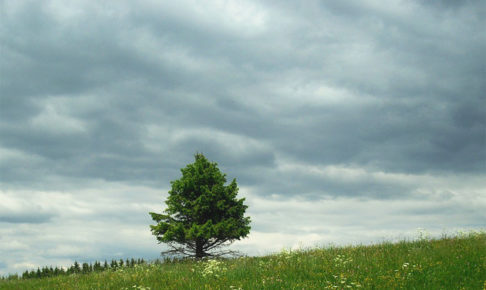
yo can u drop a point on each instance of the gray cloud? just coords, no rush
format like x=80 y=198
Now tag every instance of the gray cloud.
x=401 y=129
x=32 y=218
x=17 y=211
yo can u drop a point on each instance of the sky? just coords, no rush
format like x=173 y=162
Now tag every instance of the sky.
x=343 y=122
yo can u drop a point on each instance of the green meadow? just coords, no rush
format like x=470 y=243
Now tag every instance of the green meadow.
x=454 y=262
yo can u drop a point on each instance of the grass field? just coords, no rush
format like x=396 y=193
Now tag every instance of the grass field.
x=457 y=262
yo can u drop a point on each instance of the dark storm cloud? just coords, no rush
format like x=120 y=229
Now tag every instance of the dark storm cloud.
x=413 y=77
x=407 y=138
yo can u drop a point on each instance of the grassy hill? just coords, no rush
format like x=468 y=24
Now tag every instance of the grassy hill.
x=449 y=263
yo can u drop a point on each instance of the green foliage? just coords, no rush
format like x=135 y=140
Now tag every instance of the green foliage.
x=77 y=269
x=202 y=212
x=449 y=263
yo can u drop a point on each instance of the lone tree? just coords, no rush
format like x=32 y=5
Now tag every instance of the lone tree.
x=202 y=213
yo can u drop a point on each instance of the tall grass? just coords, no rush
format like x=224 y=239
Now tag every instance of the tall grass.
x=448 y=263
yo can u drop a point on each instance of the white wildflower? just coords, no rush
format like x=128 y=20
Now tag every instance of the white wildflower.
x=213 y=268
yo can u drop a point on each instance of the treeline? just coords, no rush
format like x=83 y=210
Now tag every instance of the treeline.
x=77 y=268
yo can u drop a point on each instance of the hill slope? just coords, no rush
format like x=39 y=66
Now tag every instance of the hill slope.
x=447 y=263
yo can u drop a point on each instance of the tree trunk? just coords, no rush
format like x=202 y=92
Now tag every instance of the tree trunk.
x=199 y=249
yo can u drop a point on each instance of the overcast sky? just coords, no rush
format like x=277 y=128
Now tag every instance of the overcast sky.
x=343 y=122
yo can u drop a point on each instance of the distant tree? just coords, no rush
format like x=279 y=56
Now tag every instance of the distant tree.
x=11 y=277
x=202 y=214
x=45 y=272
x=76 y=267
x=85 y=268
x=114 y=264
x=97 y=267
x=105 y=265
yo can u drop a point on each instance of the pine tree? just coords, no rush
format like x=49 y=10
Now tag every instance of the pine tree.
x=202 y=213
x=114 y=264
x=85 y=268
x=45 y=272
x=76 y=268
